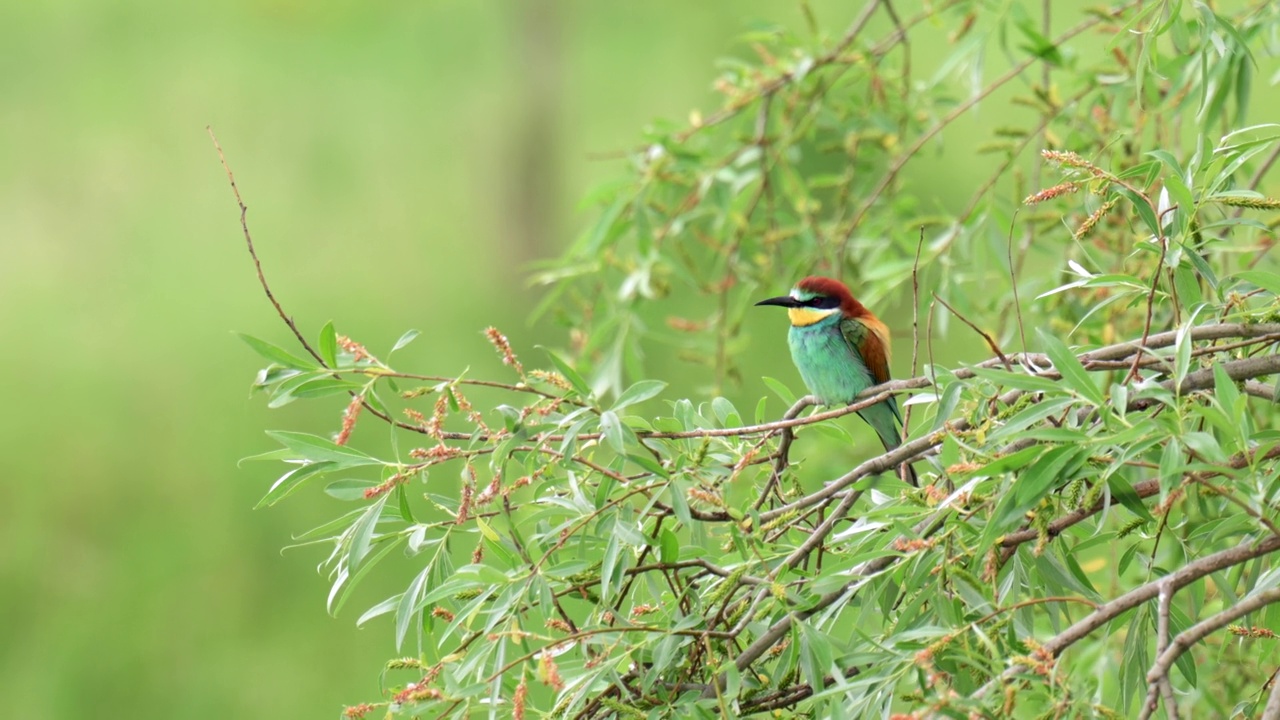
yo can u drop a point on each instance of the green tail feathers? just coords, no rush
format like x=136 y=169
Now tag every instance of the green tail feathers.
x=883 y=418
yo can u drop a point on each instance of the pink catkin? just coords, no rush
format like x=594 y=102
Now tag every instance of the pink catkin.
x=1051 y=193
x=503 y=346
x=349 y=419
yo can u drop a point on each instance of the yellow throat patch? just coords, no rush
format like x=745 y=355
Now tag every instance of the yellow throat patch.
x=801 y=316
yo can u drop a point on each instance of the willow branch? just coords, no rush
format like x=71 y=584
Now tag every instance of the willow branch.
x=1177 y=580
x=1166 y=657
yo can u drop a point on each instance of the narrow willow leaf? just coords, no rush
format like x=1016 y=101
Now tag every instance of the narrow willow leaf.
x=1268 y=281
x=318 y=387
x=408 y=337
x=1181 y=355
x=815 y=655
x=1225 y=389
x=1171 y=460
x=780 y=390
x=315 y=448
x=402 y=498
x=365 y=568
x=670 y=550
x=1042 y=477
x=679 y=503
x=381 y=608
x=614 y=432
x=1186 y=662
x=569 y=373
x=362 y=532
x=1010 y=462
x=1124 y=493
x=407 y=608
x=649 y=464
x=762 y=410
x=638 y=393
x=288 y=483
x=610 y=563
x=725 y=412
x=277 y=354
x=349 y=489
x=1073 y=373
x=328 y=344
x=1019 y=380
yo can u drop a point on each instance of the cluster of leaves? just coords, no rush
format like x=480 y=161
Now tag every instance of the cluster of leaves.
x=1088 y=519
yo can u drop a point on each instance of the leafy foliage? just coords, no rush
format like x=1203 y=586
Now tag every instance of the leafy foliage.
x=1094 y=509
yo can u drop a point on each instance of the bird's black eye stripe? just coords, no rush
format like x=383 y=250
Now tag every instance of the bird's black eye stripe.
x=823 y=302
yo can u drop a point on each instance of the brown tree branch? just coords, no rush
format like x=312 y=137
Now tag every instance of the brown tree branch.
x=1166 y=656
x=1107 y=612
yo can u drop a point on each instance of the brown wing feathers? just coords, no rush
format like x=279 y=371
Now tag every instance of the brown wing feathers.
x=874 y=346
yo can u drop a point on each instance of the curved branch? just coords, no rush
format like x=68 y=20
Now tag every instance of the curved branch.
x=1159 y=673
x=1107 y=612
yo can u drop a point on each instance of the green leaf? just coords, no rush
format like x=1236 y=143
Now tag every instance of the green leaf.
x=1018 y=380
x=314 y=388
x=362 y=533
x=365 y=568
x=1035 y=483
x=679 y=503
x=1171 y=459
x=569 y=373
x=1143 y=208
x=1181 y=356
x=725 y=412
x=277 y=354
x=780 y=390
x=1268 y=281
x=348 y=489
x=815 y=655
x=638 y=393
x=1123 y=492
x=381 y=608
x=1073 y=373
x=1013 y=461
x=614 y=432
x=329 y=344
x=607 y=569
x=407 y=608
x=1031 y=486
x=292 y=480
x=670 y=549
x=404 y=340
x=1224 y=388
x=1186 y=662
x=649 y=464
x=402 y=497
x=312 y=447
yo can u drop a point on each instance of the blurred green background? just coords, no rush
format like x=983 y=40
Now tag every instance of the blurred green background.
x=404 y=163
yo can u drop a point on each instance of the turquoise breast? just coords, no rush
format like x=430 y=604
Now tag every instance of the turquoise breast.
x=828 y=367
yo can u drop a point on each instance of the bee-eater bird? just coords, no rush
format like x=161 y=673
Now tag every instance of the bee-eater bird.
x=841 y=349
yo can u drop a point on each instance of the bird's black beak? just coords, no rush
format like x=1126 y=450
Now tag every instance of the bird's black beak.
x=785 y=301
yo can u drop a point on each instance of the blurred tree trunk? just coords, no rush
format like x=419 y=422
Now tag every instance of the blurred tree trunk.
x=532 y=188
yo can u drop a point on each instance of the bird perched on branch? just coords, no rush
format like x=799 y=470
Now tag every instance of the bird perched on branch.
x=841 y=349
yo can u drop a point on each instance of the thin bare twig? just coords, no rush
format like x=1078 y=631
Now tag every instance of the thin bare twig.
x=1013 y=273
x=253 y=253
x=784 y=449
x=1160 y=681
x=991 y=342
x=895 y=169
x=915 y=326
